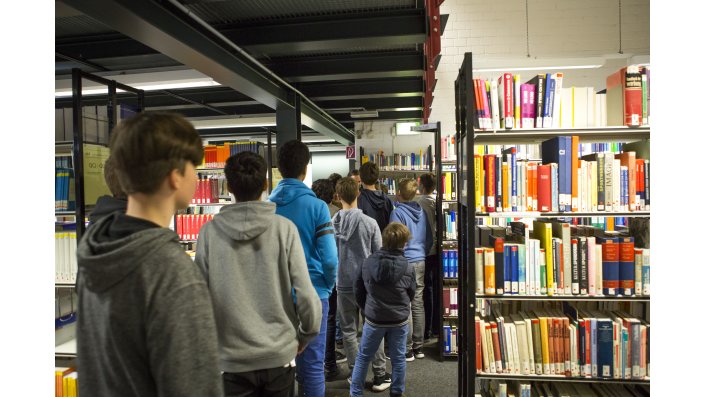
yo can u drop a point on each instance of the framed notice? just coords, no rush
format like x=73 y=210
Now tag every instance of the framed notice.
x=94 y=157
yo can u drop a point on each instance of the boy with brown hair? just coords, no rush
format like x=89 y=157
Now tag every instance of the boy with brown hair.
x=357 y=237
x=374 y=203
x=383 y=290
x=146 y=325
x=410 y=214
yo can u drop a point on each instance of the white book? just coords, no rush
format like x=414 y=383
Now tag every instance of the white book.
x=73 y=266
x=508 y=350
x=529 y=342
x=57 y=257
x=580 y=107
x=485 y=347
x=495 y=104
x=523 y=350
x=573 y=351
x=646 y=272
x=590 y=106
x=592 y=268
x=479 y=273
x=609 y=181
x=567 y=108
x=558 y=80
x=603 y=104
x=515 y=346
x=616 y=185
x=67 y=257
x=638 y=264
x=598 y=268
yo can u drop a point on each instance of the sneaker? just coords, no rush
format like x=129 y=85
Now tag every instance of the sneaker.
x=410 y=356
x=418 y=353
x=340 y=357
x=331 y=375
x=381 y=383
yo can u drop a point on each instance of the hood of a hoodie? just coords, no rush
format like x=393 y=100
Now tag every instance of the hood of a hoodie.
x=410 y=210
x=376 y=198
x=288 y=190
x=346 y=222
x=106 y=205
x=244 y=221
x=388 y=267
x=103 y=262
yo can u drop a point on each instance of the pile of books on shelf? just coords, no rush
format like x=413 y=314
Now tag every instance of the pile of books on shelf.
x=66 y=382
x=214 y=156
x=64 y=190
x=65 y=253
x=520 y=388
x=578 y=343
x=450 y=338
x=451 y=224
x=542 y=102
x=209 y=189
x=559 y=259
x=449 y=261
x=415 y=161
x=448 y=151
x=564 y=181
x=188 y=224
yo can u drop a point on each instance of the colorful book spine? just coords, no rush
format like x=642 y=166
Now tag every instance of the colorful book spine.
x=626 y=266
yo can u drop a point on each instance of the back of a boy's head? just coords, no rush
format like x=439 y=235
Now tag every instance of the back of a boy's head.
x=323 y=189
x=246 y=173
x=147 y=147
x=292 y=159
x=395 y=236
x=407 y=189
x=428 y=181
x=111 y=179
x=334 y=177
x=369 y=173
x=347 y=189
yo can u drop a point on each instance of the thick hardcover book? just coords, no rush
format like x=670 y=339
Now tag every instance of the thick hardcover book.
x=583 y=265
x=489 y=167
x=544 y=232
x=539 y=81
x=489 y=270
x=599 y=158
x=559 y=150
x=562 y=231
x=624 y=97
x=626 y=266
x=544 y=187
x=537 y=345
x=609 y=181
x=478 y=346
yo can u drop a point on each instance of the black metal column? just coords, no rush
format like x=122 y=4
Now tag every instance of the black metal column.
x=269 y=160
x=289 y=122
x=112 y=108
x=77 y=87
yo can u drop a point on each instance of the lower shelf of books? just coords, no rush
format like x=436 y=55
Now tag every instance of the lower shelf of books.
x=561 y=378
x=587 y=298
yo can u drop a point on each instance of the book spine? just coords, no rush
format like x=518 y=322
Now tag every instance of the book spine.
x=558 y=88
x=646 y=272
x=490 y=182
x=498 y=183
x=548 y=102
x=632 y=97
x=540 y=96
x=489 y=268
x=592 y=271
x=554 y=188
x=647 y=185
x=544 y=188
x=517 y=101
x=575 y=267
x=514 y=255
x=508 y=98
x=522 y=269
x=626 y=266
x=479 y=274
x=513 y=159
x=583 y=265
x=600 y=182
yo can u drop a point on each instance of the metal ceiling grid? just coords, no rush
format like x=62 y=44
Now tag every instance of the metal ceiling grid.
x=78 y=25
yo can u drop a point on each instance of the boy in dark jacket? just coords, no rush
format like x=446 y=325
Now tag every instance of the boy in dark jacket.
x=384 y=289
x=373 y=203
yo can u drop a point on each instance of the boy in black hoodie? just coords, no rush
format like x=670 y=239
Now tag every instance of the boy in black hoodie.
x=146 y=325
x=384 y=289
x=373 y=203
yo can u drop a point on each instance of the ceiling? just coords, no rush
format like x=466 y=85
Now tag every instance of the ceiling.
x=344 y=55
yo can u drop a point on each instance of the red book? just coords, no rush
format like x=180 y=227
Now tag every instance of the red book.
x=507 y=97
x=641 y=197
x=490 y=182
x=566 y=345
x=478 y=346
x=558 y=333
x=446 y=301
x=543 y=175
x=179 y=226
x=199 y=191
x=495 y=345
x=588 y=350
x=624 y=97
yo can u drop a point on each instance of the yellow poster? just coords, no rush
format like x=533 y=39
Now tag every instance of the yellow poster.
x=94 y=186
x=276 y=177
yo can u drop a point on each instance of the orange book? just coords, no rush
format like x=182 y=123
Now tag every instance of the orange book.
x=488 y=267
x=575 y=164
x=495 y=346
x=505 y=186
x=59 y=373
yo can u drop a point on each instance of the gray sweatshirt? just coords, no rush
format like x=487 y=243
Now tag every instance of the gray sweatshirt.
x=357 y=237
x=145 y=321
x=428 y=204
x=252 y=259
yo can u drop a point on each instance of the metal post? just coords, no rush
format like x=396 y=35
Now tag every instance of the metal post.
x=112 y=107
x=269 y=160
x=440 y=221
x=77 y=86
x=289 y=121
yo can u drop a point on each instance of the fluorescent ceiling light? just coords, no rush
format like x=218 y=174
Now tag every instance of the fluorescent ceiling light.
x=538 y=68
x=405 y=128
x=360 y=115
x=205 y=124
x=524 y=64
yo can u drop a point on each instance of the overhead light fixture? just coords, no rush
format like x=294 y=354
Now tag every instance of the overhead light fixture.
x=364 y=114
x=525 y=64
x=241 y=122
x=405 y=128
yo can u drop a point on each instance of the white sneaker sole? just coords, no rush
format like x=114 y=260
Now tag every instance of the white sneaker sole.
x=382 y=387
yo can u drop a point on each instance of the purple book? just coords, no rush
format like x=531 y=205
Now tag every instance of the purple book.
x=528 y=105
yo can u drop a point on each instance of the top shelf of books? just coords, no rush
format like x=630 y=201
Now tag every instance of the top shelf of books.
x=587 y=135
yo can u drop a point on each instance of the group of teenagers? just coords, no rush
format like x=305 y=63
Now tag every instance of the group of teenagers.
x=255 y=312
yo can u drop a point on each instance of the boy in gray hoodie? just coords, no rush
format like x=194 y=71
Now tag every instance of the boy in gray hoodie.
x=357 y=237
x=251 y=259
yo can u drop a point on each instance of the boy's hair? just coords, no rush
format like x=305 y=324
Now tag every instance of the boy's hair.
x=347 y=189
x=354 y=172
x=407 y=189
x=111 y=179
x=395 y=236
x=324 y=189
x=369 y=173
x=293 y=157
x=428 y=181
x=246 y=173
x=334 y=177
x=147 y=147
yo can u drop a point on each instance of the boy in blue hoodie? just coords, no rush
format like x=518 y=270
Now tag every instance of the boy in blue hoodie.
x=357 y=236
x=410 y=214
x=296 y=202
x=383 y=289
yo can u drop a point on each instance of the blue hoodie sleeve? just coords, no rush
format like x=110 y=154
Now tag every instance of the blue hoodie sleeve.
x=394 y=217
x=325 y=245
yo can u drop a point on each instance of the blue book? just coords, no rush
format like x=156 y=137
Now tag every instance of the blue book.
x=454 y=264
x=548 y=103
x=510 y=155
x=515 y=268
x=624 y=188
x=507 y=260
x=593 y=347
x=605 y=348
x=446 y=340
x=453 y=225
x=559 y=150
x=522 y=269
x=446 y=271
x=610 y=265
x=581 y=345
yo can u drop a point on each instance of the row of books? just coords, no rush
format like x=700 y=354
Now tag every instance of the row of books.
x=451 y=224
x=575 y=343
x=449 y=261
x=65 y=305
x=449 y=180
x=65 y=382
x=420 y=160
x=559 y=259
x=542 y=102
x=562 y=182
x=450 y=302
x=209 y=189
x=215 y=156
x=187 y=226
x=65 y=253
x=448 y=151
x=450 y=339
x=501 y=388
x=389 y=183
x=64 y=186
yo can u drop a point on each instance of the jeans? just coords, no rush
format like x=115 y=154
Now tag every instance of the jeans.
x=414 y=338
x=430 y=301
x=330 y=364
x=349 y=323
x=371 y=338
x=309 y=364
x=274 y=382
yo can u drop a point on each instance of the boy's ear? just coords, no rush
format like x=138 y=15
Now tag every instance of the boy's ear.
x=174 y=179
x=266 y=184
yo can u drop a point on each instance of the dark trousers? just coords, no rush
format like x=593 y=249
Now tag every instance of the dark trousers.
x=274 y=382
x=431 y=304
x=330 y=364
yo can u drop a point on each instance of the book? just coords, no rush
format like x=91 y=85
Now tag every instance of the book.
x=557 y=98
x=489 y=271
x=548 y=101
x=479 y=273
x=559 y=150
x=517 y=100
x=543 y=174
x=610 y=265
x=646 y=271
x=528 y=105
x=506 y=102
x=539 y=81
x=544 y=233
x=626 y=266
x=624 y=97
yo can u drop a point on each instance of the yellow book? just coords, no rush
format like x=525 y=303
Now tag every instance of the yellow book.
x=517 y=101
x=479 y=182
x=448 y=187
x=544 y=233
x=505 y=186
x=72 y=388
x=543 y=323
x=365 y=159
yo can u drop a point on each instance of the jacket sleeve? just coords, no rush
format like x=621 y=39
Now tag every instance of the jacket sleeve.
x=394 y=217
x=325 y=244
x=308 y=304
x=411 y=290
x=181 y=336
x=360 y=290
x=201 y=259
x=376 y=238
x=427 y=232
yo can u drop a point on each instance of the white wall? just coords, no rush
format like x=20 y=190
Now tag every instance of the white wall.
x=376 y=135
x=326 y=163
x=495 y=30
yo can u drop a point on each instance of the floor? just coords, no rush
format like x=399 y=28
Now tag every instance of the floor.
x=426 y=377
